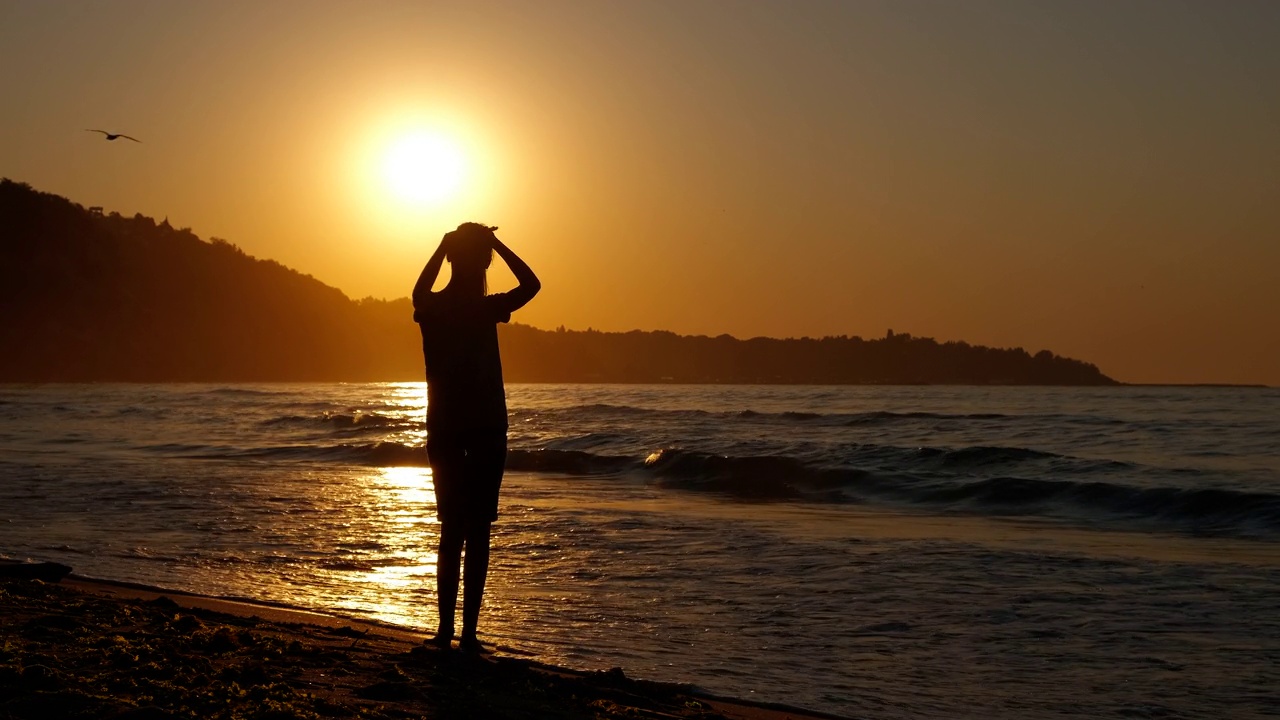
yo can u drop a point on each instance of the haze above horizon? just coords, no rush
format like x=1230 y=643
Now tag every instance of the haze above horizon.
x=1098 y=178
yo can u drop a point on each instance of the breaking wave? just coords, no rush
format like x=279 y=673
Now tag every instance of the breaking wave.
x=980 y=480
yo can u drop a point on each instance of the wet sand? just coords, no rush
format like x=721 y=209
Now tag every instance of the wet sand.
x=85 y=648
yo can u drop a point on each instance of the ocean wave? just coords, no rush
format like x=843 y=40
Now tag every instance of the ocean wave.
x=982 y=455
x=788 y=415
x=381 y=454
x=250 y=392
x=356 y=420
x=569 y=462
x=980 y=479
x=878 y=417
x=872 y=418
x=782 y=478
x=588 y=441
x=885 y=417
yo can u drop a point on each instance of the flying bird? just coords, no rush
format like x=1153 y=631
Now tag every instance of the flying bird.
x=113 y=136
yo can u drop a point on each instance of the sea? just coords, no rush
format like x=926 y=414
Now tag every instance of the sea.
x=865 y=551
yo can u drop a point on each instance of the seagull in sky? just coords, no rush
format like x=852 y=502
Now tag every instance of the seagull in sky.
x=113 y=136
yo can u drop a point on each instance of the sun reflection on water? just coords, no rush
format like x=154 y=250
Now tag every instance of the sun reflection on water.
x=407 y=401
x=399 y=587
x=410 y=491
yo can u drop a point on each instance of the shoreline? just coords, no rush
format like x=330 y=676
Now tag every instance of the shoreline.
x=664 y=383
x=394 y=675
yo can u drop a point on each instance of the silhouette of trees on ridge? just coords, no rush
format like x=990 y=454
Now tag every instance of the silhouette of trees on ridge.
x=660 y=356
x=89 y=296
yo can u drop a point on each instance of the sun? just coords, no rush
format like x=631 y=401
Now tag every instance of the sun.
x=413 y=170
x=422 y=168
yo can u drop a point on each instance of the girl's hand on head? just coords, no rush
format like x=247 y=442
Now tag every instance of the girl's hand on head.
x=447 y=242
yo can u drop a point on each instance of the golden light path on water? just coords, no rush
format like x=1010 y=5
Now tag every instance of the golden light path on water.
x=408 y=501
x=398 y=505
x=403 y=503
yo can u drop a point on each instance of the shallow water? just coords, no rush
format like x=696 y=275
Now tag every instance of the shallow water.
x=874 y=552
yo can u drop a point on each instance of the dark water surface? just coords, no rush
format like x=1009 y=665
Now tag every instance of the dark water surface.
x=876 y=552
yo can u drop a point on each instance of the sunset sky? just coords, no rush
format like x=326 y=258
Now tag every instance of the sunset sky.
x=1097 y=178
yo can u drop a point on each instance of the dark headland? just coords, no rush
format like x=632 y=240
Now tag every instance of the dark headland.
x=90 y=296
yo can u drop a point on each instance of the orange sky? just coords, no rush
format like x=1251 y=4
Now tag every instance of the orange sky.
x=1100 y=179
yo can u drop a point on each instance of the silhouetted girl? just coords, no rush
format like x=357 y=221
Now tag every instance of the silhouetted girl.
x=466 y=408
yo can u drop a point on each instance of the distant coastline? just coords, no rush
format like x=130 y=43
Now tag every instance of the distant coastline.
x=90 y=296
x=1248 y=386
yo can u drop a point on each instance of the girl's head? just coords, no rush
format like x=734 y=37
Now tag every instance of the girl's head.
x=470 y=247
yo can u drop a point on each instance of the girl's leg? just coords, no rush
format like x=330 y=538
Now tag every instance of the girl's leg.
x=477 y=571
x=486 y=456
x=448 y=562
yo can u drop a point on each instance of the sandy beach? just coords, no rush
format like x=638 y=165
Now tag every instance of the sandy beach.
x=89 y=648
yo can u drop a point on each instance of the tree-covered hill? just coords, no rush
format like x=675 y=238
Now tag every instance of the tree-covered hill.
x=88 y=296
x=592 y=356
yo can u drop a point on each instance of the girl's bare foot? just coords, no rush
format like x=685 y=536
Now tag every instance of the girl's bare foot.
x=471 y=644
